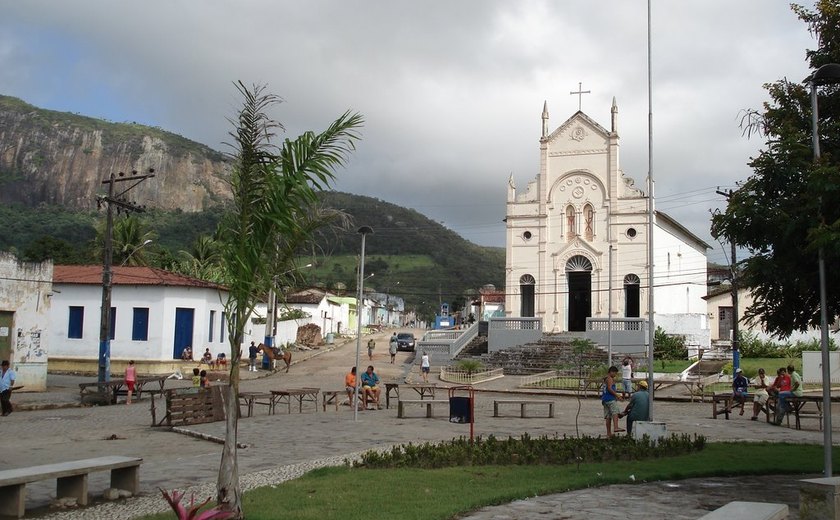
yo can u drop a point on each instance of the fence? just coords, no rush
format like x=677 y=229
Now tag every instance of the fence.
x=453 y=375
x=443 y=345
x=191 y=406
x=574 y=379
x=504 y=333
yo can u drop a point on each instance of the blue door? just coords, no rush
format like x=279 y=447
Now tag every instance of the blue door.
x=183 y=330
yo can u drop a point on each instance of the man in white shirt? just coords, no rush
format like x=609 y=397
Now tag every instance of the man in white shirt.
x=7 y=381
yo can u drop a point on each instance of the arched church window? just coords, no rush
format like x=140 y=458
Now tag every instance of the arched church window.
x=588 y=222
x=578 y=263
x=527 y=286
x=571 y=230
x=632 y=296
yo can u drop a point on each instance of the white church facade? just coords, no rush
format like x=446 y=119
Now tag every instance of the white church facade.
x=577 y=241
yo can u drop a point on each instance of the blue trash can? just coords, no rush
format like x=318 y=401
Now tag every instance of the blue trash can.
x=266 y=362
x=460 y=409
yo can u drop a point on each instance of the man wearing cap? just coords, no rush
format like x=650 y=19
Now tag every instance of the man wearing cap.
x=638 y=409
x=740 y=389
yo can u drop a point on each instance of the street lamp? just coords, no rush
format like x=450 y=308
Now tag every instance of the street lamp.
x=138 y=248
x=825 y=75
x=364 y=231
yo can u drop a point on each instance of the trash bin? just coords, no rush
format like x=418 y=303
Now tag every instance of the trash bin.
x=330 y=338
x=460 y=409
x=266 y=362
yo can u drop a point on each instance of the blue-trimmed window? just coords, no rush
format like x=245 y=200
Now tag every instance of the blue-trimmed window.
x=140 y=324
x=212 y=327
x=76 y=322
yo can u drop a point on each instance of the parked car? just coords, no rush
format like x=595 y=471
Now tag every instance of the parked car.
x=405 y=341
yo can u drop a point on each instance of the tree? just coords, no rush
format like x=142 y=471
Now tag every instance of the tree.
x=271 y=190
x=786 y=210
x=129 y=239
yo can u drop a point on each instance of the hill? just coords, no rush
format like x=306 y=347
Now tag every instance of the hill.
x=52 y=165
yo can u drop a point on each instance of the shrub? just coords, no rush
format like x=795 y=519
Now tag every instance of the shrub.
x=669 y=346
x=470 y=366
x=528 y=450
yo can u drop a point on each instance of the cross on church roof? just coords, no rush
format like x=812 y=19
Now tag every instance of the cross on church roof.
x=580 y=94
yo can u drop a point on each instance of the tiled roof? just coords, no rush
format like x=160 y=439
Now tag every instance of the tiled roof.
x=127 y=275
x=307 y=296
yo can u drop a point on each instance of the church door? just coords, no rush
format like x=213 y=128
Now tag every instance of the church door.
x=579 y=276
x=527 y=284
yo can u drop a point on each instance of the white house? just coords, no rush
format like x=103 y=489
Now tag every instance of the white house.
x=155 y=314
x=25 y=299
x=720 y=308
x=577 y=240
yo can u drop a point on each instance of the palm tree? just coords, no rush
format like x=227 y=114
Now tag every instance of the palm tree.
x=130 y=236
x=203 y=260
x=271 y=190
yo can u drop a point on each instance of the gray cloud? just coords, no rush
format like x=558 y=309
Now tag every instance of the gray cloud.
x=451 y=92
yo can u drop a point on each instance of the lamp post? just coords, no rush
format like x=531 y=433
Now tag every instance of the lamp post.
x=364 y=231
x=825 y=75
x=138 y=248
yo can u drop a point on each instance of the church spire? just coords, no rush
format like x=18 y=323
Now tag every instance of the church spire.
x=545 y=119
x=614 y=112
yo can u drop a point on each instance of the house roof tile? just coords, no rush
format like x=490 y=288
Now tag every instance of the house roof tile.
x=127 y=275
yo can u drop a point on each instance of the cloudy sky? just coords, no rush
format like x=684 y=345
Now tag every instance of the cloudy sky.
x=451 y=91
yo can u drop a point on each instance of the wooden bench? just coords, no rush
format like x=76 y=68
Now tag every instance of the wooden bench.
x=523 y=403
x=249 y=399
x=117 y=387
x=428 y=402
x=800 y=409
x=331 y=397
x=72 y=480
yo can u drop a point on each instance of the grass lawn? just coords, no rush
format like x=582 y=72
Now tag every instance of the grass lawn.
x=409 y=493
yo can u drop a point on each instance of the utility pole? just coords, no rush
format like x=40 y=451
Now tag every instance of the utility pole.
x=733 y=278
x=122 y=204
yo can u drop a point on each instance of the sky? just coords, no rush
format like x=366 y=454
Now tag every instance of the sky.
x=451 y=92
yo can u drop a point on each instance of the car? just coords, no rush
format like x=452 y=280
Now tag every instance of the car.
x=405 y=341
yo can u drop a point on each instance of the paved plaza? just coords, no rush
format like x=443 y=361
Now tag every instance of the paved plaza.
x=283 y=445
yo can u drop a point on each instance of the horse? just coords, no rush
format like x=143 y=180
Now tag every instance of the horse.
x=276 y=354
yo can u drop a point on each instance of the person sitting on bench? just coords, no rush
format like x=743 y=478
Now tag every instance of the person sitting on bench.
x=760 y=396
x=740 y=389
x=350 y=388
x=370 y=384
x=186 y=355
x=221 y=360
x=207 y=358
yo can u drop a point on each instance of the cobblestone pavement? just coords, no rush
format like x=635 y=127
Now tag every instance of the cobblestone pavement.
x=283 y=446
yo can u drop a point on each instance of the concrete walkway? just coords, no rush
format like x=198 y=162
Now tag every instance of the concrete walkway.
x=292 y=443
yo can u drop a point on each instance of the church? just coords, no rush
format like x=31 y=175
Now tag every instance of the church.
x=577 y=241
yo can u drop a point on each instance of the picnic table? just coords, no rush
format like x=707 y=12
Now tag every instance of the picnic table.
x=424 y=390
x=300 y=395
x=116 y=387
x=249 y=399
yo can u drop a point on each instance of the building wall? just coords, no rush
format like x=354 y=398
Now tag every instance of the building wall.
x=25 y=292
x=745 y=299
x=162 y=303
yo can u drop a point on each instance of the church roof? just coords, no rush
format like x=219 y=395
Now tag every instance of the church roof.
x=576 y=116
x=682 y=229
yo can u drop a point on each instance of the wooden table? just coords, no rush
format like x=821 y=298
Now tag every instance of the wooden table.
x=424 y=390
x=300 y=395
x=116 y=387
x=249 y=399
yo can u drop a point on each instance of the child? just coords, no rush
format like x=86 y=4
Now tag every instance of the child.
x=204 y=382
x=130 y=380
x=196 y=379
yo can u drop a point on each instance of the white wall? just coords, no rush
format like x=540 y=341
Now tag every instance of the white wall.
x=161 y=302
x=25 y=292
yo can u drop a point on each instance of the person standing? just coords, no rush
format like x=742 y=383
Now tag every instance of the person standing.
x=638 y=409
x=130 y=380
x=252 y=357
x=425 y=366
x=371 y=346
x=7 y=381
x=392 y=347
x=627 y=376
x=609 y=400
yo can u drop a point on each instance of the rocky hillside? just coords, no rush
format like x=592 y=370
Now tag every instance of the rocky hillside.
x=61 y=159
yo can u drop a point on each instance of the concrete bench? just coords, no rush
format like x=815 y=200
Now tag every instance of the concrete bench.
x=71 y=477
x=428 y=402
x=748 y=511
x=523 y=404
